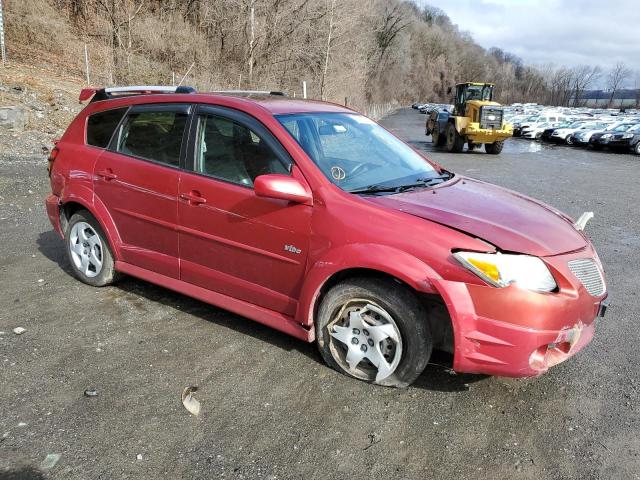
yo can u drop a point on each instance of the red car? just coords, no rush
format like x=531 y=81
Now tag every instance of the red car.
x=310 y=218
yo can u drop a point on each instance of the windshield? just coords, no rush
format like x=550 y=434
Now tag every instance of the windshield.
x=478 y=92
x=635 y=128
x=620 y=128
x=355 y=153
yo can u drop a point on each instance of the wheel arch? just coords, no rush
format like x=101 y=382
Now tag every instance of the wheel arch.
x=83 y=199
x=358 y=260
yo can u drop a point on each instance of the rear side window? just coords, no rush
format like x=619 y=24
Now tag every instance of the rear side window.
x=154 y=135
x=100 y=126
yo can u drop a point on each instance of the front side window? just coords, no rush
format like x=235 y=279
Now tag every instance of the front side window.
x=153 y=135
x=355 y=153
x=230 y=151
x=100 y=126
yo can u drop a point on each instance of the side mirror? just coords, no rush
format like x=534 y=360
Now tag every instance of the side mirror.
x=282 y=187
x=449 y=90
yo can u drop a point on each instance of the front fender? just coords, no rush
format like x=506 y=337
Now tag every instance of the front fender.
x=384 y=259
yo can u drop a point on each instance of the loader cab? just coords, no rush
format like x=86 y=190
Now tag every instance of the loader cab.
x=465 y=92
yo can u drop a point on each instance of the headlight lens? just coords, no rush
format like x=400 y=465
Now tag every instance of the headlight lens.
x=627 y=135
x=501 y=270
x=606 y=135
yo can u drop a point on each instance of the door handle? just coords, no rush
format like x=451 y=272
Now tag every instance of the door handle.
x=107 y=174
x=193 y=198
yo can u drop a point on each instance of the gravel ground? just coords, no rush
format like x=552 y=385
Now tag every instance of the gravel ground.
x=270 y=408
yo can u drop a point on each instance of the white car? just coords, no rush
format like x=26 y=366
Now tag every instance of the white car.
x=535 y=130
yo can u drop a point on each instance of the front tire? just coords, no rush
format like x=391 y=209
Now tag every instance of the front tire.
x=88 y=250
x=569 y=140
x=493 y=148
x=374 y=330
x=636 y=149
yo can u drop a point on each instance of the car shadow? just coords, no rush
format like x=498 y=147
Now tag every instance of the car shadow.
x=25 y=473
x=438 y=375
x=52 y=247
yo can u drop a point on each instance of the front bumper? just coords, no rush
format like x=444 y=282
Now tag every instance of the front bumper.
x=484 y=135
x=598 y=142
x=519 y=333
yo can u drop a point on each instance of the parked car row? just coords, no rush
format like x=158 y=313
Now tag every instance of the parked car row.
x=591 y=128
x=431 y=107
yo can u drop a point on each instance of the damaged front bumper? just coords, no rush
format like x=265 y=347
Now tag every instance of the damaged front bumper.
x=514 y=332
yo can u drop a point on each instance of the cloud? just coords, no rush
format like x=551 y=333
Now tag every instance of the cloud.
x=561 y=32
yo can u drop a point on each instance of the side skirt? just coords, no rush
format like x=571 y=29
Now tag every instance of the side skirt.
x=262 y=315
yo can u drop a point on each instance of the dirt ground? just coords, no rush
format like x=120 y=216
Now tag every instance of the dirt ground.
x=270 y=408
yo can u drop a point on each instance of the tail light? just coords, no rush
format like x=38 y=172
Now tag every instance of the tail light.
x=52 y=157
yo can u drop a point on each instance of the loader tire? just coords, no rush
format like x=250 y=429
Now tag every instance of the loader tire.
x=455 y=141
x=493 y=148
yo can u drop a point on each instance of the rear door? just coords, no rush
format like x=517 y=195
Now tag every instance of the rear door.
x=232 y=241
x=137 y=180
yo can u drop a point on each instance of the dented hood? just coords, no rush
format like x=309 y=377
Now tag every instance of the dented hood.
x=508 y=220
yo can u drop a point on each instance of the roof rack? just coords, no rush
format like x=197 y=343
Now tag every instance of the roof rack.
x=96 y=94
x=250 y=92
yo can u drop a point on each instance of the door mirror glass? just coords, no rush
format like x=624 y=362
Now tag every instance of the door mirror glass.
x=282 y=187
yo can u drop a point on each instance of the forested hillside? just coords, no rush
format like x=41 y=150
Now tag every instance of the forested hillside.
x=359 y=51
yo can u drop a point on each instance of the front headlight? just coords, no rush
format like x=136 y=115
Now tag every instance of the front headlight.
x=627 y=135
x=606 y=136
x=501 y=270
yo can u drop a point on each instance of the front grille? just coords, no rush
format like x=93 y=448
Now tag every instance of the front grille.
x=586 y=270
x=491 y=118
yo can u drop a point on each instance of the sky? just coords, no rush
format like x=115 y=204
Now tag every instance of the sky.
x=562 y=32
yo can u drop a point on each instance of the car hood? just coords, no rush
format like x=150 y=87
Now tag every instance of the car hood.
x=506 y=219
x=587 y=133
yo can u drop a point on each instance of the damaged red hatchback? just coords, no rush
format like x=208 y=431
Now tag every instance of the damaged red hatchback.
x=312 y=219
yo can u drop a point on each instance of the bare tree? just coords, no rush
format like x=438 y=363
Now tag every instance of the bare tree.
x=617 y=76
x=120 y=14
x=583 y=77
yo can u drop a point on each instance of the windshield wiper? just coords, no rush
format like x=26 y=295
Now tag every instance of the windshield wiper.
x=421 y=182
x=376 y=189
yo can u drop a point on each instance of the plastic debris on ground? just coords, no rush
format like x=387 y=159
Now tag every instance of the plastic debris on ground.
x=50 y=461
x=190 y=403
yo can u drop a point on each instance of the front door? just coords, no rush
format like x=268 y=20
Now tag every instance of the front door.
x=232 y=241
x=137 y=180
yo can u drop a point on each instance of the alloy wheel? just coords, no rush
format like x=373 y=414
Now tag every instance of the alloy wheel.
x=365 y=340
x=86 y=249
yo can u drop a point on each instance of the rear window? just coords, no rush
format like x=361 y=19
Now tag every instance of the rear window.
x=154 y=135
x=100 y=126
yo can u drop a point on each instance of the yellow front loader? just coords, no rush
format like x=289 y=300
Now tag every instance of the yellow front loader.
x=476 y=120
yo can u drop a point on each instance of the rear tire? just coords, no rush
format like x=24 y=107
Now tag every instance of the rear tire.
x=436 y=138
x=455 y=141
x=88 y=251
x=375 y=330
x=493 y=148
